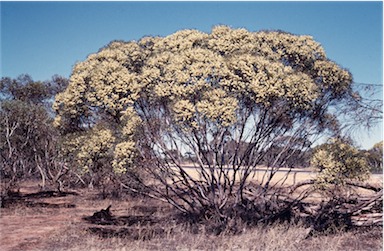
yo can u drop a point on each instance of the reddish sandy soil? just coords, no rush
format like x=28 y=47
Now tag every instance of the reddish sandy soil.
x=34 y=217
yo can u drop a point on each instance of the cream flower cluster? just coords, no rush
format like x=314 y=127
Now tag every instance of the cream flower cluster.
x=199 y=78
x=338 y=162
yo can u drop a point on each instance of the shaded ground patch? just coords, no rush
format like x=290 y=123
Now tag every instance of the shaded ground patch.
x=29 y=199
x=135 y=227
x=134 y=233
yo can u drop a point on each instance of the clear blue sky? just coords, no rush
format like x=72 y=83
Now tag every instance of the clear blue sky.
x=47 y=38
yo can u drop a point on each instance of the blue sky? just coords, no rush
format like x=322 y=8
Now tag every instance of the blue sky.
x=47 y=38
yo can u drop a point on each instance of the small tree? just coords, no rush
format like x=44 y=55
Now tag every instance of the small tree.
x=338 y=161
x=375 y=157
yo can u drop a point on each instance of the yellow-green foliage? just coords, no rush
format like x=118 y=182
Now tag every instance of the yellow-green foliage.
x=93 y=147
x=124 y=155
x=218 y=107
x=338 y=162
x=130 y=121
x=99 y=147
x=199 y=78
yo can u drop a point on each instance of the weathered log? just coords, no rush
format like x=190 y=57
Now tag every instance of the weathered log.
x=369 y=221
x=375 y=188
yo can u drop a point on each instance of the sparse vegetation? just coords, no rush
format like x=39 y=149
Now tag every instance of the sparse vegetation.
x=274 y=237
x=46 y=221
x=190 y=142
x=29 y=144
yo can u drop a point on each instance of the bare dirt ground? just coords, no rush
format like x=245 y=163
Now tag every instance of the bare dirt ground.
x=36 y=220
x=33 y=217
x=25 y=223
x=51 y=221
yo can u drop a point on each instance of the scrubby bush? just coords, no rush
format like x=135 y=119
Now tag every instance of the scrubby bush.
x=338 y=161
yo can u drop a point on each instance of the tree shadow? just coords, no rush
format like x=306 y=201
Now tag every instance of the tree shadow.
x=135 y=227
x=28 y=200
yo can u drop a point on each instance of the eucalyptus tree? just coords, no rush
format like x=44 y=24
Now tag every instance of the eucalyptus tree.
x=225 y=96
x=28 y=140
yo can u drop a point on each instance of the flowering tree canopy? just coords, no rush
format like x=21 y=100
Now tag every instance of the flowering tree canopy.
x=203 y=93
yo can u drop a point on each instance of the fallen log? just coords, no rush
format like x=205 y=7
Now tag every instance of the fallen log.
x=367 y=186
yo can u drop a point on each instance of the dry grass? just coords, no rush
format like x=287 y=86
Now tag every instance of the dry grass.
x=271 y=238
x=46 y=228
x=176 y=236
